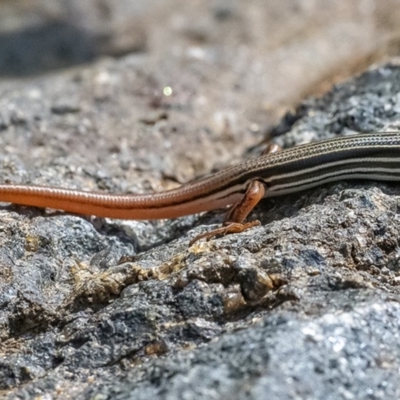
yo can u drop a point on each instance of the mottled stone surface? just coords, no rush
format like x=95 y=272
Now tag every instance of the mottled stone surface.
x=304 y=306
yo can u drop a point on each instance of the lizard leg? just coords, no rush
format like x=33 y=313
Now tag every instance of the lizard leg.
x=271 y=148
x=234 y=220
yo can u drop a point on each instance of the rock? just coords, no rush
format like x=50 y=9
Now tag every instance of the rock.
x=306 y=305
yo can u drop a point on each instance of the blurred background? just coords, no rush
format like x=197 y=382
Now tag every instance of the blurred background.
x=284 y=49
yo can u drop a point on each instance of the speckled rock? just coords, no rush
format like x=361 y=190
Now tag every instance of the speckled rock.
x=303 y=306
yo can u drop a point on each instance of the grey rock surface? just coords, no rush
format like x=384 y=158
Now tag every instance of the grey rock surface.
x=306 y=306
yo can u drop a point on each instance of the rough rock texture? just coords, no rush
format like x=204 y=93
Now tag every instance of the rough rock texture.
x=304 y=306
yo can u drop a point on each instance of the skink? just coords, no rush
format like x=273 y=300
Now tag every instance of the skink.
x=367 y=156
